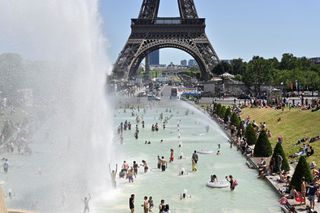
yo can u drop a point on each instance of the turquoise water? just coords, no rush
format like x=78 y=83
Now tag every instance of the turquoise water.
x=251 y=195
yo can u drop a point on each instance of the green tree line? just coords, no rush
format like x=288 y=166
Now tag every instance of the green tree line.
x=291 y=72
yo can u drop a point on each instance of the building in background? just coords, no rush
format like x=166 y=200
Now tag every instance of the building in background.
x=228 y=61
x=183 y=63
x=315 y=60
x=154 y=58
x=192 y=63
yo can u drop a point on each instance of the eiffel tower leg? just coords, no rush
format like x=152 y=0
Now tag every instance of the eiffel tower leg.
x=187 y=9
x=126 y=57
x=147 y=68
x=208 y=55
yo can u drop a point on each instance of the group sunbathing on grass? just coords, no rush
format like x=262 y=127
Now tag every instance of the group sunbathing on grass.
x=305 y=150
x=307 y=139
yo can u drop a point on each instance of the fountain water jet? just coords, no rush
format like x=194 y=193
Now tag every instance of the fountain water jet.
x=73 y=145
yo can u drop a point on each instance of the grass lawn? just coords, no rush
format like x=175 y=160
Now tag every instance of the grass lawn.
x=294 y=125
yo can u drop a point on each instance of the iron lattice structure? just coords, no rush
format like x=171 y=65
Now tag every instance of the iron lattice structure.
x=150 y=32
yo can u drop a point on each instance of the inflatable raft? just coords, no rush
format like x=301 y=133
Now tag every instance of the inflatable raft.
x=205 y=151
x=218 y=184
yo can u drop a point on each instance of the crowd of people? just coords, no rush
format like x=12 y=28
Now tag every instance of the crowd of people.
x=148 y=205
x=302 y=102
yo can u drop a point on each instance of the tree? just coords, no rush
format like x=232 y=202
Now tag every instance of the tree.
x=223 y=111
x=278 y=150
x=238 y=77
x=263 y=147
x=11 y=73
x=227 y=115
x=302 y=170
x=218 y=109
x=6 y=132
x=259 y=72
x=303 y=63
x=312 y=80
x=235 y=120
x=250 y=135
x=288 y=62
x=221 y=68
x=238 y=66
x=274 y=63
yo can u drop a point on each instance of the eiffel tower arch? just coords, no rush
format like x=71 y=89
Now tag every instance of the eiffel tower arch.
x=150 y=32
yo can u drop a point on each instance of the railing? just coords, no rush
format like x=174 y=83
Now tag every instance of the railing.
x=168 y=21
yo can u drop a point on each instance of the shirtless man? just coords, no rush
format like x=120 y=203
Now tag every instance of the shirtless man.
x=113 y=175
x=130 y=175
x=145 y=166
x=145 y=205
x=86 y=204
x=125 y=166
x=135 y=168
x=163 y=163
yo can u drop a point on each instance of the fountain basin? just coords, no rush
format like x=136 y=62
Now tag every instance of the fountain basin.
x=18 y=211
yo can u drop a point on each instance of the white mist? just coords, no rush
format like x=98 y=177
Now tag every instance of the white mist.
x=72 y=147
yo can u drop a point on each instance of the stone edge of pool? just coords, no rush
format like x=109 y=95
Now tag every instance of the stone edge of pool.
x=18 y=211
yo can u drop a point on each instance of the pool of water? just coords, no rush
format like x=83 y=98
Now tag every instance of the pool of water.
x=251 y=195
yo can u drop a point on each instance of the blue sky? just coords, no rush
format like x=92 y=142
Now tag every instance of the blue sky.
x=236 y=29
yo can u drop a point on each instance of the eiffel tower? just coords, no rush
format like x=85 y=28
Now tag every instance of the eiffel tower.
x=150 y=32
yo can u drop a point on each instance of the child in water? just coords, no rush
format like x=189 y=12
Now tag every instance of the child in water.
x=184 y=195
x=171 y=155
x=182 y=172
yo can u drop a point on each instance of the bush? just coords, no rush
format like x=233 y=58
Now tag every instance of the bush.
x=235 y=120
x=278 y=150
x=250 y=135
x=263 y=147
x=302 y=170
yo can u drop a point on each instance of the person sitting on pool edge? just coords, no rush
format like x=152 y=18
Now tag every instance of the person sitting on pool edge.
x=262 y=167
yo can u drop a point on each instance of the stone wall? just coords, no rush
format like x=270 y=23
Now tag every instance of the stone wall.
x=3 y=208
